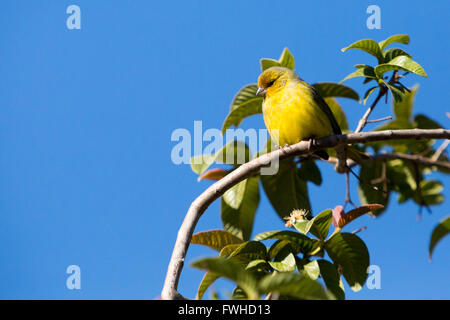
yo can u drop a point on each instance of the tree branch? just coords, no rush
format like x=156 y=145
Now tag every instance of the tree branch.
x=418 y=159
x=364 y=121
x=252 y=167
x=415 y=158
x=441 y=149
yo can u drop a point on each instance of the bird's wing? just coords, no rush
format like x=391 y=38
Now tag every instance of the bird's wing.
x=326 y=109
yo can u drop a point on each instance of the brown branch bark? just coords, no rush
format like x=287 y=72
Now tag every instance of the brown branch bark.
x=416 y=158
x=250 y=168
x=362 y=123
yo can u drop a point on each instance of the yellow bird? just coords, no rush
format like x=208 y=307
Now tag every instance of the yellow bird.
x=293 y=110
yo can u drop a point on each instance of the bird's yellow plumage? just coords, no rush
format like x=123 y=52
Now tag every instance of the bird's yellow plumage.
x=292 y=109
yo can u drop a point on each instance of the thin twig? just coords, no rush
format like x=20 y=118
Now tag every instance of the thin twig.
x=252 y=167
x=359 y=230
x=348 y=199
x=369 y=184
x=363 y=121
x=439 y=151
x=379 y=120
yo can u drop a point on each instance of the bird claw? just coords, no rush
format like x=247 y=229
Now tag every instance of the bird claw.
x=282 y=148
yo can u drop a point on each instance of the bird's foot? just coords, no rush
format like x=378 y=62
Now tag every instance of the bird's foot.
x=284 y=147
x=281 y=147
x=312 y=143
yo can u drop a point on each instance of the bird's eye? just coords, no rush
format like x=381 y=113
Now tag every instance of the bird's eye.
x=270 y=83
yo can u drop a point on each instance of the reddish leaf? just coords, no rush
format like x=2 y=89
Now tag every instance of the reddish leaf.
x=338 y=212
x=340 y=218
x=213 y=174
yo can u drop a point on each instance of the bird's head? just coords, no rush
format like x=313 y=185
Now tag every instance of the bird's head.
x=273 y=79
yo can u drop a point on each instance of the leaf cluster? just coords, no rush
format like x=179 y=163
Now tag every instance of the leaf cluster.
x=293 y=264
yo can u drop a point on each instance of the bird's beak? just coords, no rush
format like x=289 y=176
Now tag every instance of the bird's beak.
x=261 y=91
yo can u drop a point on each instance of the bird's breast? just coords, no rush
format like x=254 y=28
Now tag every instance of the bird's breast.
x=292 y=115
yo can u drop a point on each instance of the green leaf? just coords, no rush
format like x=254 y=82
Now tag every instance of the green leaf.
x=399 y=38
x=310 y=172
x=423 y=122
x=293 y=285
x=369 y=172
x=257 y=264
x=285 y=189
x=332 y=279
x=239 y=294
x=234 y=196
x=230 y=270
x=338 y=113
x=351 y=254
x=430 y=187
x=215 y=239
x=250 y=250
x=268 y=63
x=318 y=226
x=229 y=249
x=233 y=153
x=321 y=224
x=394 y=53
x=403 y=108
x=246 y=93
x=397 y=92
x=430 y=193
x=245 y=103
x=332 y=89
x=298 y=241
x=208 y=279
x=281 y=248
x=401 y=179
x=287 y=59
x=439 y=232
x=366 y=71
x=286 y=265
x=404 y=63
x=303 y=226
x=312 y=269
x=248 y=108
x=368 y=93
x=240 y=221
x=368 y=45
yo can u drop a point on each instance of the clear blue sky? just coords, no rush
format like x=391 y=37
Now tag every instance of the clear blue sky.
x=86 y=118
